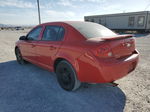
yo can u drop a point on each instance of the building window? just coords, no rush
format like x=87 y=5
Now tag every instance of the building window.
x=86 y=20
x=92 y=20
x=141 y=20
x=99 y=21
x=131 y=21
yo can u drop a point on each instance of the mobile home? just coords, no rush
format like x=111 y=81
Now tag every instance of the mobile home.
x=139 y=21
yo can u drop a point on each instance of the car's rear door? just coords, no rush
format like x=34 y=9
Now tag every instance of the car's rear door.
x=50 y=43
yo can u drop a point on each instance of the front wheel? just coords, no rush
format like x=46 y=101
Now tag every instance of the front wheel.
x=66 y=76
x=19 y=58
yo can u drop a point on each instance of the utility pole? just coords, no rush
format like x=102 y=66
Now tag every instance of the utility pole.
x=39 y=11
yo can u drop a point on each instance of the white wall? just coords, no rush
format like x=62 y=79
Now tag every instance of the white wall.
x=121 y=21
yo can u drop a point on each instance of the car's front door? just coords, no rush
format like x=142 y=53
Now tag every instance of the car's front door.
x=49 y=44
x=32 y=38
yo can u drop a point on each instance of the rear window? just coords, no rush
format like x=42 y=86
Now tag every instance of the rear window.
x=91 y=30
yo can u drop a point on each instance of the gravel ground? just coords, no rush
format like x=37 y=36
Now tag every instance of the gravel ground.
x=28 y=88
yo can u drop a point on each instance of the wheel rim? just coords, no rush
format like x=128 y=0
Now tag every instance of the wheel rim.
x=18 y=55
x=65 y=76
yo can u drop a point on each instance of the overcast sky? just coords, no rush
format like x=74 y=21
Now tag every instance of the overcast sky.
x=24 y=12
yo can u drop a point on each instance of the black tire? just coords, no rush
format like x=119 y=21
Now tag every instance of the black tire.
x=66 y=76
x=19 y=58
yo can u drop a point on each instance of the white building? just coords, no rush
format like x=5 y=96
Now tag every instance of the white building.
x=123 y=21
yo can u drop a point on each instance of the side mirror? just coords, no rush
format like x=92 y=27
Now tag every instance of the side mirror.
x=23 y=38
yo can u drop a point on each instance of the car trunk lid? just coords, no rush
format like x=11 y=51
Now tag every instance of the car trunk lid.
x=122 y=47
x=119 y=45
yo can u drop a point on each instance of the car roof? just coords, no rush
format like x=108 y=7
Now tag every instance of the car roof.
x=64 y=22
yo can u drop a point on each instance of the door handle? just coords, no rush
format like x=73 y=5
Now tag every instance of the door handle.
x=33 y=45
x=52 y=47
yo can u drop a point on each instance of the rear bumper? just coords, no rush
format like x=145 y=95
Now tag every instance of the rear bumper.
x=119 y=68
x=95 y=70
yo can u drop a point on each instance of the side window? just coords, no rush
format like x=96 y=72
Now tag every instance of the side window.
x=34 y=34
x=141 y=20
x=53 y=33
x=61 y=33
x=131 y=21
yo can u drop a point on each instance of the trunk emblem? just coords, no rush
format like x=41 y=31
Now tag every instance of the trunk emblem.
x=127 y=44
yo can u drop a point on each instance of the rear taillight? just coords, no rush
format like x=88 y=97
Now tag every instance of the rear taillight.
x=104 y=52
x=110 y=54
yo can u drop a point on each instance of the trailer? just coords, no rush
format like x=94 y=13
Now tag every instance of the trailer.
x=132 y=21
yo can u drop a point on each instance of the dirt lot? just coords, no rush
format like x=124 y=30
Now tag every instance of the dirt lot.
x=28 y=88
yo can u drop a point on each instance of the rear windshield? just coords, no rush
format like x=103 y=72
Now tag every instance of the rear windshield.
x=91 y=30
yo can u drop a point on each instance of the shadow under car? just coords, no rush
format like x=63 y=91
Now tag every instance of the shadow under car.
x=28 y=88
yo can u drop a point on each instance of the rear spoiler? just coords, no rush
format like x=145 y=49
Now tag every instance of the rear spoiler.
x=116 y=37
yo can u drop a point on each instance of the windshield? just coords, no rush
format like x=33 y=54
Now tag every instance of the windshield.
x=90 y=30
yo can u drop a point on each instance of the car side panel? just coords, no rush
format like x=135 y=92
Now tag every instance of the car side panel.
x=70 y=52
x=45 y=51
x=89 y=69
x=23 y=46
x=27 y=48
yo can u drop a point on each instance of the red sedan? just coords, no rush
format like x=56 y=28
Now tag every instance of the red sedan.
x=78 y=52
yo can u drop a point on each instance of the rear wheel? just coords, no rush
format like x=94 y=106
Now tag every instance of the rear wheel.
x=19 y=58
x=66 y=76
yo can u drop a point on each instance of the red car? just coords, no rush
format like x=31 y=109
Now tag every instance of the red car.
x=78 y=52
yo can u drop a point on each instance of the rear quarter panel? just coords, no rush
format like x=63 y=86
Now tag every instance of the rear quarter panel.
x=72 y=47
